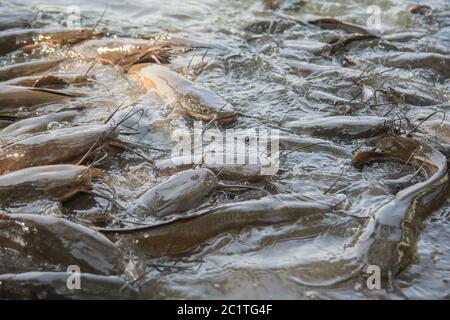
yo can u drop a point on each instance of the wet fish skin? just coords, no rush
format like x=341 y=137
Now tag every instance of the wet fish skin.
x=186 y=233
x=26 y=68
x=102 y=48
x=312 y=46
x=179 y=193
x=272 y=4
x=438 y=129
x=192 y=99
x=47 y=80
x=45 y=182
x=221 y=165
x=404 y=36
x=413 y=95
x=53 y=285
x=414 y=60
x=71 y=144
x=307 y=69
x=11 y=40
x=36 y=124
x=333 y=24
x=260 y=26
x=342 y=126
x=345 y=41
x=12 y=98
x=289 y=142
x=59 y=242
x=390 y=237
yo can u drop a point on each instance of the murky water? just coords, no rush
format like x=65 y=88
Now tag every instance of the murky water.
x=252 y=62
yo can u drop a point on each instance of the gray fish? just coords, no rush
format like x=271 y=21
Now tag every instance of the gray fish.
x=190 y=98
x=342 y=126
x=52 y=240
x=53 y=285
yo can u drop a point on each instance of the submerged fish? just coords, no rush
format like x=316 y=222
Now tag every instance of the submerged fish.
x=53 y=285
x=390 y=237
x=342 y=126
x=68 y=144
x=52 y=240
x=179 y=193
x=439 y=63
x=306 y=69
x=438 y=129
x=414 y=94
x=312 y=46
x=259 y=26
x=272 y=4
x=333 y=24
x=36 y=124
x=230 y=165
x=10 y=19
x=184 y=233
x=345 y=41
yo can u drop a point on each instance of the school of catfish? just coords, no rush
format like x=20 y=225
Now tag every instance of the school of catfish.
x=61 y=147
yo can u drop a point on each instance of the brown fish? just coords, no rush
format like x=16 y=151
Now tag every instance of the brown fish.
x=35 y=124
x=57 y=241
x=13 y=98
x=49 y=80
x=68 y=144
x=53 y=285
x=26 y=68
x=11 y=40
x=390 y=237
x=183 y=234
x=179 y=193
x=56 y=182
x=333 y=24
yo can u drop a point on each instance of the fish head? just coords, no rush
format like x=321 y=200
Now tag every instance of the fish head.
x=398 y=147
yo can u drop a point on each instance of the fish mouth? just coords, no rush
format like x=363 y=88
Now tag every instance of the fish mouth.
x=362 y=158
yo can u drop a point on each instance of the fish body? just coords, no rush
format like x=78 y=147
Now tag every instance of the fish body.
x=11 y=40
x=55 y=146
x=342 y=126
x=179 y=193
x=47 y=80
x=61 y=243
x=14 y=98
x=26 y=68
x=390 y=237
x=53 y=285
x=192 y=99
x=185 y=233
x=36 y=124
x=45 y=182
